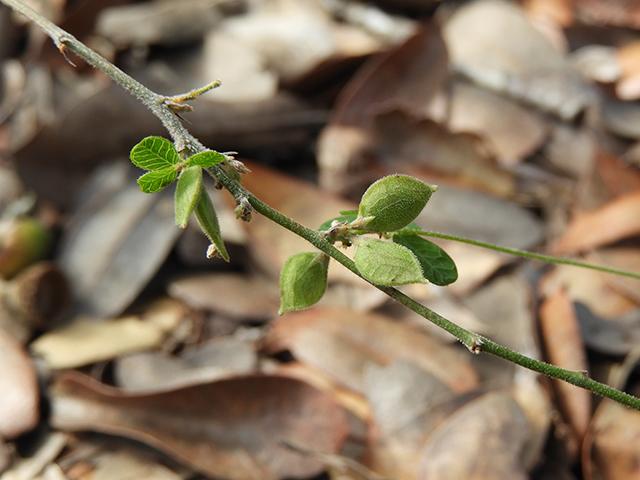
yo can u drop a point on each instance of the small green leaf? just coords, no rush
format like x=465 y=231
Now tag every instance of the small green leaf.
x=154 y=153
x=348 y=217
x=392 y=203
x=204 y=159
x=386 y=263
x=349 y=212
x=155 y=181
x=303 y=280
x=187 y=194
x=438 y=267
x=208 y=220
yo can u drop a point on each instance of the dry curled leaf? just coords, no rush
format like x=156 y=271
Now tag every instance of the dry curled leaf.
x=20 y=400
x=614 y=221
x=226 y=429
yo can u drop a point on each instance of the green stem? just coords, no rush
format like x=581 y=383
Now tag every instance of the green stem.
x=524 y=253
x=183 y=139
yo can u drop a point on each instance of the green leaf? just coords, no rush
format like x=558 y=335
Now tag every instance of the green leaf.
x=208 y=220
x=386 y=263
x=392 y=203
x=349 y=217
x=154 y=153
x=438 y=267
x=349 y=212
x=152 y=182
x=303 y=280
x=187 y=194
x=204 y=159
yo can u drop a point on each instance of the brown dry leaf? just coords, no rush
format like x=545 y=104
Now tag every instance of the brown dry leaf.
x=226 y=429
x=509 y=131
x=303 y=202
x=483 y=440
x=408 y=403
x=495 y=44
x=621 y=118
x=564 y=347
x=614 y=221
x=343 y=342
x=616 y=175
x=122 y=465
x=150 y=372
x=239 y=296
x=589 y=287
x=572 y=149
x=406 y=78
x=623 y=13
x=20 y=400
x=116 y=242
x=616 y=436
x=628 y=87
x=505 y=306
x=626 y=258
x=612 y=446
x=85 y=340
x=403 y=143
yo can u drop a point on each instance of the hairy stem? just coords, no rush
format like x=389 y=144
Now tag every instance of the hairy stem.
x=160 y=106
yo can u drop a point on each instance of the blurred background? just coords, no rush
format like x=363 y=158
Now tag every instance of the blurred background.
x=126 y=353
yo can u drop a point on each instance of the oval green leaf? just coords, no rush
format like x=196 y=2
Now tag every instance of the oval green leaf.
x=152 y=182
x=437 y=265
x=154 y=153
x=392 y=203
x=303 y=280
x=386 y=263
x=208 y=220
x=187 y=194
x=205 y=159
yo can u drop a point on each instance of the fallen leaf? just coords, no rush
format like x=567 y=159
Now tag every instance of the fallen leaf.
x=20 y=401
x=412 y=146
x=610 y=450
x=343 y=342
x=496 y=45
x=614 y=221
x=505 y=307
x=227 y=429
x=86 y=340
x=482 y=440
x=589 y=287
x=123 y=464
x=406 y=78
x=116 y=242
x=623 y=13
x=150 y=372
x=509 y=131
x=625 y=258
x=611 y=336
x=628 y=86
x=565 y=348
x=239 y=296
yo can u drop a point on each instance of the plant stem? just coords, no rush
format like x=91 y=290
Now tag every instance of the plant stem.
x=524 y=253
x=184 y=140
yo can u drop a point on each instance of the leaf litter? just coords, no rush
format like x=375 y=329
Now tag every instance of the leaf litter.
x=522 y=113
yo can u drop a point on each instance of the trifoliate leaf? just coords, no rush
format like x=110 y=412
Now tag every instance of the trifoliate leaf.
x=303 y=280
x=155 y=181
x=205 y=159
x=386 y=263
x=187 y=194
x=154 y=153
x=208 y=220
x=392 y=203
x=437 y=266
